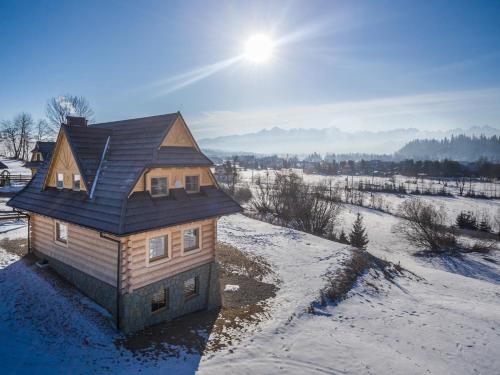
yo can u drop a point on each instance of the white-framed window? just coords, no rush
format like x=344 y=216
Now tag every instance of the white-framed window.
x=60 y=180
x=192 y=184
x=158 y=248
x=61 y=233
x=191 y=239
x=38 y=156
x=159 y=300
x=76 y=182
x=191 y=287
x=159 y=186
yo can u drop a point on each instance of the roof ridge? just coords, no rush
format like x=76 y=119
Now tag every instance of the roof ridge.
x=132 y=119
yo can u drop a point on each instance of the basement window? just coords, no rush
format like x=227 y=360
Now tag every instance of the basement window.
x=191 y=239
x=60 y=180
x=159 y=186
x=61 y=233
x=159 y=300
x=158 y=248
x=191 y=287
x=192 y=184
x=76 y=182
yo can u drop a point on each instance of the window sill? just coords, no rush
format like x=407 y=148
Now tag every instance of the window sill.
x=190 y=297
x=157 y=261
x=192 y=251
x=160 y=310
x=60 y=243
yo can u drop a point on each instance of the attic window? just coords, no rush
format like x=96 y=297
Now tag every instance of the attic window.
x=159 y=186
x=76 y=182
x=38 y=156
x=60 y=180
x=192 y=184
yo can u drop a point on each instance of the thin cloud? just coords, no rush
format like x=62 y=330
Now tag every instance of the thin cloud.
x=392 y=112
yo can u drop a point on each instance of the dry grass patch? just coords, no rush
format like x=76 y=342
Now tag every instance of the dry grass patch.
x=209 y=331
x=18 y=246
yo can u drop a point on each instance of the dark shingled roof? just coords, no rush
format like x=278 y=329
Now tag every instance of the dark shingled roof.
x=133 y=147
x=46 y=148
x=87 y=144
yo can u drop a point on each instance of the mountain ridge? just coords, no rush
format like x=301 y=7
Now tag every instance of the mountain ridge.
x=332 y=139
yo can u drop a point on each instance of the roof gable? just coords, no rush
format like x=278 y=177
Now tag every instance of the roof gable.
x=63 y=161
x=179 y=136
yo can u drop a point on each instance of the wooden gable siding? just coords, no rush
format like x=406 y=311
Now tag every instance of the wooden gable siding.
x=138 y=273
x=85 y=251
x=173 y=175
x=64 y=161
x=179 y=135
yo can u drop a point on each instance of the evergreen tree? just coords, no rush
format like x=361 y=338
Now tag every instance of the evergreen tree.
x=484 y=225
x=466 y=220
x=343 y=238
x=358 y=237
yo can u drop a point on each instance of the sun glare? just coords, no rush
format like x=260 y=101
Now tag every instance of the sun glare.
x=259 y=48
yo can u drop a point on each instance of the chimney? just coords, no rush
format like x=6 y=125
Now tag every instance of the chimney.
x=76 y=121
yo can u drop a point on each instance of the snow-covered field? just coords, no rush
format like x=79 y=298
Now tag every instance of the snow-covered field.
x=443 y=320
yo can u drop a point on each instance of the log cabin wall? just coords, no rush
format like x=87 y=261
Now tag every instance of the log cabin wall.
x=138 y=271
x=85 y=250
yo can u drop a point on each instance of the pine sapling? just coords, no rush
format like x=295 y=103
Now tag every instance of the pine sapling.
x=358 y=237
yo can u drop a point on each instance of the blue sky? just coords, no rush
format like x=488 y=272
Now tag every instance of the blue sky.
x=357 y=65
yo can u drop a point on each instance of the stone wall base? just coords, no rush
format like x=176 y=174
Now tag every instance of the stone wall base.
x=136 y=311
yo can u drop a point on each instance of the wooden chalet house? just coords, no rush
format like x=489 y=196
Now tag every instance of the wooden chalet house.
x=127 y=212
x=41 y=153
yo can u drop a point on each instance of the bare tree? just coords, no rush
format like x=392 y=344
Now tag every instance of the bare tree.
x=18 y=134
x=67 y=105
x=297 y=205
x=43 y=131
x=424 y=226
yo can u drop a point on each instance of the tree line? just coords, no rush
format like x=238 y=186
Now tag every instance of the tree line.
x=460 y=147
x=19 y=133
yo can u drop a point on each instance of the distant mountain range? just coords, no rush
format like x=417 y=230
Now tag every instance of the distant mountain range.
x=330 y=140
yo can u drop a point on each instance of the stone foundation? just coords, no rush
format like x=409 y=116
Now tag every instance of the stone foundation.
x=136 y=311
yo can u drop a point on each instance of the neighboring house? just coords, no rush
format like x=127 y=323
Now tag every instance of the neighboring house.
x=127 y=211
x=39 y=155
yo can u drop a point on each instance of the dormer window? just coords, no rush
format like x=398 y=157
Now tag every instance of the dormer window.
x=192 y=184
x=60 y=180
x=76 y=182
x=159 y=186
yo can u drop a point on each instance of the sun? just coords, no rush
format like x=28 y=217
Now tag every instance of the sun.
x=259 y=48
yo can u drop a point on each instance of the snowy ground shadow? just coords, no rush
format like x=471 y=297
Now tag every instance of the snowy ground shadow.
x=467 y=266
x=53 y=328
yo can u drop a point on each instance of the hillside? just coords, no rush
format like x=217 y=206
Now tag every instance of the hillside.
x=460 y=148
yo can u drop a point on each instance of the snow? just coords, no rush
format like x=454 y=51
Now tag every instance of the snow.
x=443 y=320
x=231 y=288
x=16 y=167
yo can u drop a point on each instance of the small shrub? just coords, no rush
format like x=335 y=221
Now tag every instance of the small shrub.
x=466 y=220
x=425 y=226
x=242 y=194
